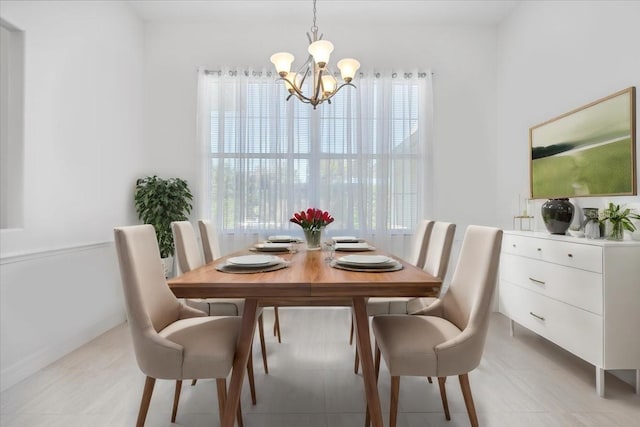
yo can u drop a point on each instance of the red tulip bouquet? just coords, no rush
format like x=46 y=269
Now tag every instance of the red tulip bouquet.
x=312 y=221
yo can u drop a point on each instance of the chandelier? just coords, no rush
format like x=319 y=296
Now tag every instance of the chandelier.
x=324 y=85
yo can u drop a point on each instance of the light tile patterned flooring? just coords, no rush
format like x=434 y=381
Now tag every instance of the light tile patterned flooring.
x=522 y=381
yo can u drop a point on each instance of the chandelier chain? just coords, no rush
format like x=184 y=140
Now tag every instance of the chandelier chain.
x=314 y=28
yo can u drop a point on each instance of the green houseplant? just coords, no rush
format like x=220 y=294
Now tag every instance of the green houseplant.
x=620 y=220
x=159 y=202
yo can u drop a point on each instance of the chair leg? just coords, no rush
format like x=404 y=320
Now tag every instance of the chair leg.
x=276 y=324
x=443 y=396
x=395 y=393
x=377 y=361
x=351 y=333
x=263 y=346
x=146 y=400
x=356 y=362
x=176 y=399
x=468 y=399
x=193 y=382
x=252 y=382
x=221 y=385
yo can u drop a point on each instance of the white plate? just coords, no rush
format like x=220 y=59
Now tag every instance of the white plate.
x=362 y=246
x=270 y=246
x=281 y=239
x=254 y=260
x=345 y=239
x=365 y=259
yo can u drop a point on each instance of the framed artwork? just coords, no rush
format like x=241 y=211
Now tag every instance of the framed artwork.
x=586 y=152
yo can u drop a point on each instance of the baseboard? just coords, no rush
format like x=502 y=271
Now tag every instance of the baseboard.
x=37 y=361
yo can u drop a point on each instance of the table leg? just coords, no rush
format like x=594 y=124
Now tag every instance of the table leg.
x=361 y=321
x=240 y=360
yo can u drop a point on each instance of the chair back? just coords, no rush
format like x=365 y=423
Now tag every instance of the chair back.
x=187 y=251
x=210 y=243
x=467 y=301
x=419 y=243
x=149 y=302
x=439 y=250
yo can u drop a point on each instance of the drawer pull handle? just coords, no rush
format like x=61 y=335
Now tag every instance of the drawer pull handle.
x=570 y=255
x=539 y=249
x=514 y=245
x=536 y=316
x=539 y=282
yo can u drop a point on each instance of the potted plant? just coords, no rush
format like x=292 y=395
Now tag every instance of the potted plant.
x=159 y=202
x=620 y=220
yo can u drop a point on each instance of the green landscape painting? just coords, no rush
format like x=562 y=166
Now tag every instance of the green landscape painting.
x=586 y=152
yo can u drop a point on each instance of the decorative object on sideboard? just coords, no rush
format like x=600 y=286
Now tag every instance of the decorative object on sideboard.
x=557 y=215
x=321 y=84
x=619 y=220
x=591 y=223
x=589 y=151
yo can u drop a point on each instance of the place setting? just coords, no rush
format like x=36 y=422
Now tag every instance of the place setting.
x=351 y=246
x=367 y=263
x=274 y=247
x=252 y=264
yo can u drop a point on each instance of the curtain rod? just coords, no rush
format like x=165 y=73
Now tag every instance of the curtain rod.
x=256 y=73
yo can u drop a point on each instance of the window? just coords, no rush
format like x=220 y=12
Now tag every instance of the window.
x=362 y=157
x=11 y=125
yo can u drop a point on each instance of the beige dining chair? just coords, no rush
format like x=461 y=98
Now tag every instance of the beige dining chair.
x=448 y=337
x=440 y=242
x=417 y=255
x=189 y=258
x=211 y=251
x=170 y=339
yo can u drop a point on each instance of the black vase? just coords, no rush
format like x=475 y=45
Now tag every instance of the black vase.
x=557 y=215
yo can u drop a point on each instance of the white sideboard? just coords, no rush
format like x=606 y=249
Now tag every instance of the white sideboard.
x=581 y=294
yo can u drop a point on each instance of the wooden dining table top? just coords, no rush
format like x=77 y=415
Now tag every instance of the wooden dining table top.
x=309 y=275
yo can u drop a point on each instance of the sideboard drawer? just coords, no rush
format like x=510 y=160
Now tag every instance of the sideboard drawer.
x=573 y=286
x=585 y=257
x=554 y=320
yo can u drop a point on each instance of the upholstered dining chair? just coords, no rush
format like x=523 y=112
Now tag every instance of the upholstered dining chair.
x=447 y=337
x=417 y=255
x=170 y=339
x=436 y=263
x=189 y=258
x=211 y=251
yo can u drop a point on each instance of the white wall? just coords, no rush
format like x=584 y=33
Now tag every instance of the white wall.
x=463 y=59
x=83 y=151
x=554 y=57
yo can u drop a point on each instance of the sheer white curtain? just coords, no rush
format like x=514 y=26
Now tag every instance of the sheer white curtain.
x=364 y=158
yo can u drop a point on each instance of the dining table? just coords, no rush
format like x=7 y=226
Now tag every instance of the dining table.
x=309 y=278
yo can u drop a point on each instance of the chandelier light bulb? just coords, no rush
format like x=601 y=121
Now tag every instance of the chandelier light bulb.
x=329 y=84
x=348 y=68
x=321 y=50
x=293 y=78
x=282 y=62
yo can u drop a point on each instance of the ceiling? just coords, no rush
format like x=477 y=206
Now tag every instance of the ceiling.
x=372 y=12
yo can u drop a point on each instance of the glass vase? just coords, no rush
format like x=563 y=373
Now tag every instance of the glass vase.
x=617 y=231
x=313 y=237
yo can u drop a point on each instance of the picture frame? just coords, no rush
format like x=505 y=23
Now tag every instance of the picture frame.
x=586 y=152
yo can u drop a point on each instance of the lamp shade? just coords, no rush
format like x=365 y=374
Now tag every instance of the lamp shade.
x=293 y=78
x=282 y=62
x=321 y=50
x=329 y=84
x=348 y=68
